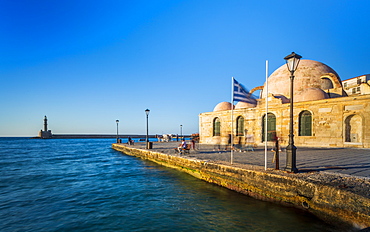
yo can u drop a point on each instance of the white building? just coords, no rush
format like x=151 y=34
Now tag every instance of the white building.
x=357 y=85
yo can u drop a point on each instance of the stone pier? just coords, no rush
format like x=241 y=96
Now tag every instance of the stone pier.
x=334 y=198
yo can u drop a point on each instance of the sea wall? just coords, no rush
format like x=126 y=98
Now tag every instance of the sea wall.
x=328 y=202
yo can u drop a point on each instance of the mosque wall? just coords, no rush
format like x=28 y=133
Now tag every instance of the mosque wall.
x=335 y=122
x=325 y=115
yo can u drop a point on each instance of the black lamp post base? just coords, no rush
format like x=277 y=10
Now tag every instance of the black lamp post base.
x=292 y=170
x=291 y=159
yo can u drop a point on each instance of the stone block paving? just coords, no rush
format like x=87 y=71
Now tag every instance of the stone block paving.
x=349 y=161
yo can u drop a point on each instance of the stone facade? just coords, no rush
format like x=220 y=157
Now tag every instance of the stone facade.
x=324 y=116
x=337 y=122
x=45 y=134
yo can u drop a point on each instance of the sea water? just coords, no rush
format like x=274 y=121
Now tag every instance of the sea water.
x=85 y=185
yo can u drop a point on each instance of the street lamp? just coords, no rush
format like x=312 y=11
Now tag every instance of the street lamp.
x=292 y=62
x=181 y=131
x=117 y=121
x=147 y=128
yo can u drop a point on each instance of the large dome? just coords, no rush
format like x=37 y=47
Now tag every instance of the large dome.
x=307 y=75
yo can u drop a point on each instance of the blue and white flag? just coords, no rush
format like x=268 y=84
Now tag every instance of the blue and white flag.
x=241 y=94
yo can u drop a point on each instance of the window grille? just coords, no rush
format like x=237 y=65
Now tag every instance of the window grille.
x=216 y=127
x=305 y=123
x=240 y=126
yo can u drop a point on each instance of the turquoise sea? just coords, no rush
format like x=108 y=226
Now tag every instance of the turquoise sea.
x=84 y=185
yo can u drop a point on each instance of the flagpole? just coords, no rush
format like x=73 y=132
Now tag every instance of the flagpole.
x=232 y=118
x=267 y=110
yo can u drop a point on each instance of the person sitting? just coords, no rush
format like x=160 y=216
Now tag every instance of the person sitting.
x=130 y=141
x=182 y=146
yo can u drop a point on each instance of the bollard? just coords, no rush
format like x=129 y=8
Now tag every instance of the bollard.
x=277 y=154
x=149 y=145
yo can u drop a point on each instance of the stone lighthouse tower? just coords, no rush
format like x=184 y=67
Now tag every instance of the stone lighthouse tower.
x=45 y=123
x=45 y=134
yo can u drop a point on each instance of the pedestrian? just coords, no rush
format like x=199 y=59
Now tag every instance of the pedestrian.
x=130 y=141
x=193 y=143
x=217 y=145
x=228 y=143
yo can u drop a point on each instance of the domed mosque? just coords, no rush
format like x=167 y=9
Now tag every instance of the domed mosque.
x=327 y=112
x=310 y=74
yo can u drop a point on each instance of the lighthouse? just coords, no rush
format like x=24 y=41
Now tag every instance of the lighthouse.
x=45 y=123
x=45 y=134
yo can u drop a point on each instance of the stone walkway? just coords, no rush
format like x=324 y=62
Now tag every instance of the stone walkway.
x=349 y=161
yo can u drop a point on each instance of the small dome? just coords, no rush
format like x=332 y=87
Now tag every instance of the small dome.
x=307 y=75
x=223 y=106
x=242 y=105
x=310 y=94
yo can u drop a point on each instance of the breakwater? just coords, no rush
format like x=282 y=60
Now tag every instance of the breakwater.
x=312 y=192
x=95 y=136
x=92 y=136
x=99 y=136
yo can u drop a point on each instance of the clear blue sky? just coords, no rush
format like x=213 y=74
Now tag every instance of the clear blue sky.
x=85 y=64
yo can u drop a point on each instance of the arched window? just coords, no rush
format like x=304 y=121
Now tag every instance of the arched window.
x=305 y=123
x=271 y=127
x=216 y=127
x=239 y=126
x=326 y=83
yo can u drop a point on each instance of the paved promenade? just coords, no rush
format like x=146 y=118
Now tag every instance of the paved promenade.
x=349 y=161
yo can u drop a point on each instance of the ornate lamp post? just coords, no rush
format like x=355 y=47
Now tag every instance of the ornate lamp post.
x=181 y=131
x=292 y=62
x=117 y=121
x=147 y=128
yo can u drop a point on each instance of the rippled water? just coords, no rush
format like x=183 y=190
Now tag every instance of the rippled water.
x=84 y=185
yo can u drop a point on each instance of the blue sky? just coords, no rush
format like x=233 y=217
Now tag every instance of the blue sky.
x=85 y=64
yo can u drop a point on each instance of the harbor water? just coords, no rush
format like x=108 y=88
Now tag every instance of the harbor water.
x=85 y=185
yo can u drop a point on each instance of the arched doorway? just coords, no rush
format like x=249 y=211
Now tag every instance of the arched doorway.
x=271 y=127
x=353 y=129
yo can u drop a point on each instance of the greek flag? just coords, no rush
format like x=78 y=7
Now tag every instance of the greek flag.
x=241 y=94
